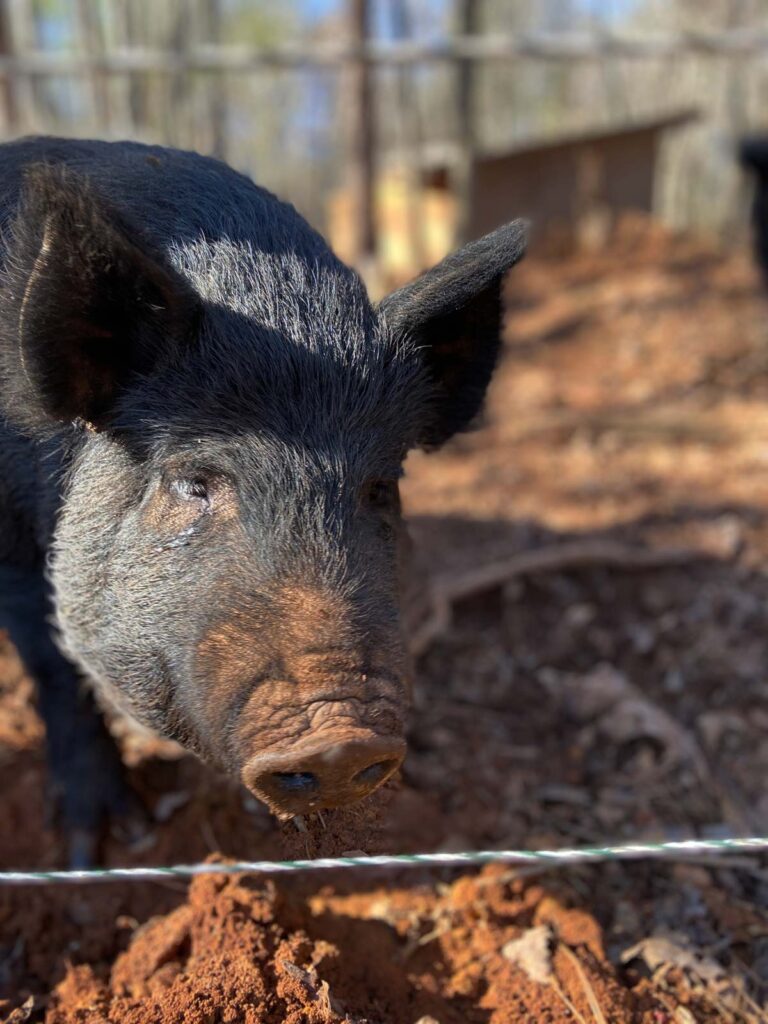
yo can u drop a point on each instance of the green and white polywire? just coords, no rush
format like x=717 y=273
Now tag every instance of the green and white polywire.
x=675 y=850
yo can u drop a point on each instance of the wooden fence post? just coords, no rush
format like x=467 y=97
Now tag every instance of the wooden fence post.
x=465 y=166
x=8 y=97
x=362 y=138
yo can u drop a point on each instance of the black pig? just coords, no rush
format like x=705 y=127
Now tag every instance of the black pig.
x=753 y=154
x=204 y=422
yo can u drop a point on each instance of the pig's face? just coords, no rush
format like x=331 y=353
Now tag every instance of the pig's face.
x=235 y=587
x=226 y=560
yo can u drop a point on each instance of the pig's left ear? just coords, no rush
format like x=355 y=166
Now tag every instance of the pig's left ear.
x=87 y=306
x=453 y=313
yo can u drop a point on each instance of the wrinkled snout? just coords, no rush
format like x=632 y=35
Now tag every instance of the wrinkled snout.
x=309 y=695
x=318 y=773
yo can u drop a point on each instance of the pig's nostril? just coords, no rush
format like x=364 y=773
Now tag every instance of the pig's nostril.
x=374 y=773
x=296 y=782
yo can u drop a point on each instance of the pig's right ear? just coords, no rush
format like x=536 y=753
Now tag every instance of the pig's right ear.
x=453 y=315
x=87 y=306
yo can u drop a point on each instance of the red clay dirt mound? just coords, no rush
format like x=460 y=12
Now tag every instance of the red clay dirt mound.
x=244 y=950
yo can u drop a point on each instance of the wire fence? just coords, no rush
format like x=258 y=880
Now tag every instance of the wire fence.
x=674 y=850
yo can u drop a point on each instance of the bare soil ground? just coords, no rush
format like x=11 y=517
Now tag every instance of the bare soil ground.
x=597 y=695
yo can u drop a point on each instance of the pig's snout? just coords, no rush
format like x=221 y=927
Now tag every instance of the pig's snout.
x=330 y=773
x=312 y=692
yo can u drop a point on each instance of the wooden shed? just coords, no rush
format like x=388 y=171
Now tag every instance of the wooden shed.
x=567 y=181
x=573 y=186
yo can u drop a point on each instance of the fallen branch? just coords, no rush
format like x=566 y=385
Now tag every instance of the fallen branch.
x=447 y=589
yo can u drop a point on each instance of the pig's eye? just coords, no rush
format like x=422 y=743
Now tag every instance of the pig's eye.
x=191 y=489
x=382 y=495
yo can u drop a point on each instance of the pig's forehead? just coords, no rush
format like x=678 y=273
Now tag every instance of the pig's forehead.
x=270 y=459
x=308 y=298
x=289 y=352
x=262 y=383
x=247 y=379
x=274 y=398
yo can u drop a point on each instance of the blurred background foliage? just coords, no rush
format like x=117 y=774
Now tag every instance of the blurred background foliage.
x=296 y=128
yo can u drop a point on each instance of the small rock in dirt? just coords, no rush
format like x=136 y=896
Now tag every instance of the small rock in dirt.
x=595 y=692
x=579 y=615
x=532 y=953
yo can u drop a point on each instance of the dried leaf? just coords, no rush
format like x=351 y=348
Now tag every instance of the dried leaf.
x=660 y=951
x=21 y=1013
x=684 y=1016
x=612 y=707
x=317 y=989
